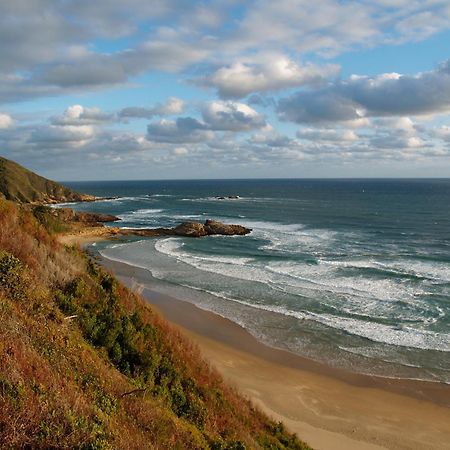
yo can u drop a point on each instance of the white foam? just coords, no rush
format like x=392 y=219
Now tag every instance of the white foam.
x=121 y=199
x=140 y=215
x=376 y=332
x=172 y=246
x=423 y=269
x=188 y=216
x=357 y=296
x=292 y=238
x=359 y=303
x=225 y=199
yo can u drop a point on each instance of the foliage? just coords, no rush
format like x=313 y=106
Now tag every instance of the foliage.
x=11 y=276
x=51 y=223
x=21 y=185
x=85 y=363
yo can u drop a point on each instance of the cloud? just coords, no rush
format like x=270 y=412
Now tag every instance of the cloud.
x=217 y=116
x=327 y=135
x=180 y=151
x=56 y=48
x=181 y=130
x=272 y=140
x=329 y=27
x=66 y=136
x=78 y=115
x=442 y=132
x=75 y=128
x=231 y=116
x=6 y=121
x=318 y=106
x=426 y=93
x=274 y=73
x=94 y=70
x=173 y=105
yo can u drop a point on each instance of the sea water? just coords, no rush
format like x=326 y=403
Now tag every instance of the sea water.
x=351 y=273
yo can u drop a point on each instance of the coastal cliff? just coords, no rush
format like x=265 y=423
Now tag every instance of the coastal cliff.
x=21 y=185
x=85 y=363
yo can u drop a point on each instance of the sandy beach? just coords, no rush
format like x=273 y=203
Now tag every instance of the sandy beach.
x=328 y=408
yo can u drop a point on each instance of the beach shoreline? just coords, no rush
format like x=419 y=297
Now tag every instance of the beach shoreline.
x=328 y=408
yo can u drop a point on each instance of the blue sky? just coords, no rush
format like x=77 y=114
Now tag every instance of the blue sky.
x=223 y=89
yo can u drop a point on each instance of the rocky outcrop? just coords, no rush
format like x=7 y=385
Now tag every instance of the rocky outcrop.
x=190 y=229
x=215 y=227
x=80 y=220
x=209 y=228
x=186 y=229
x=68 y=215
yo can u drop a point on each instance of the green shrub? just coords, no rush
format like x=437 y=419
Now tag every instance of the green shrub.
x=11 y=276
x=52 y=224
x=11 y=391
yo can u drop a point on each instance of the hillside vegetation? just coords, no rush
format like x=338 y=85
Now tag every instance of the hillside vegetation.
x=22 y=185
x=87 y=364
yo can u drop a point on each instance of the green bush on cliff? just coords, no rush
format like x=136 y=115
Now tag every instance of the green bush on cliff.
x=11 y=276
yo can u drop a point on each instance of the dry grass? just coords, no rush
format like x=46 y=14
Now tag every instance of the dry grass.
x=114 y=376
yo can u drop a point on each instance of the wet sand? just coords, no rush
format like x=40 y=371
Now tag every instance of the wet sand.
x=328 y=408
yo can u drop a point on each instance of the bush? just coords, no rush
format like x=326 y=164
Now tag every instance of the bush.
x=59 y=387
x=11 y=276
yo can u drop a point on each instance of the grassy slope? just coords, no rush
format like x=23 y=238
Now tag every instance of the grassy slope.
x=85 y=363
x=20 y=184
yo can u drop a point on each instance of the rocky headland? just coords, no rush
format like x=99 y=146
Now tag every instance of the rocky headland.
x=87 y=224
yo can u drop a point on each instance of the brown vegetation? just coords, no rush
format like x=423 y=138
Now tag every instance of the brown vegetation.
x=85 y=363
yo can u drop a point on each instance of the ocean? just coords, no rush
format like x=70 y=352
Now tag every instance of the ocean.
x=354 y=274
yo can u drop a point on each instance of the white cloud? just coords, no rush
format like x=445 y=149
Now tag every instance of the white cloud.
x=426 y=93
x=274 y=73
x=180 y=151
x=173 y=105
x=231 y=116
x=6 y=121
x=182 y=130
x=442 y=132
x=77 y=115
x=324 y=134
x=65 y=136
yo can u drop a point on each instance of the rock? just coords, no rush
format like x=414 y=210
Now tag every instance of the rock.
x=69 y=215
x=214 y=227
x=88 y=217
x=190 y=229
x=229 y=197
x=209 y=228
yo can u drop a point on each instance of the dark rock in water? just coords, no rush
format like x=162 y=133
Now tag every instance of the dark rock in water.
x=192 y=229
x=215 y=227
x=209 y=228
x=228 y=197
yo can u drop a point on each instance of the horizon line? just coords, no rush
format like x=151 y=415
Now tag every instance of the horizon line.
x=257 y=179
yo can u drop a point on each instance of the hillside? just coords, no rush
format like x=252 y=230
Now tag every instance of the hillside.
x=22 y=185
x=87 y=364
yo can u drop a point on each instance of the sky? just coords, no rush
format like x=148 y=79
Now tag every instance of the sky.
x=171 y=89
